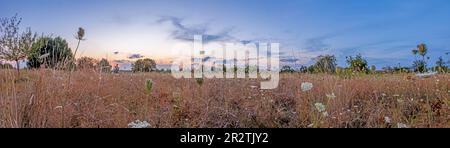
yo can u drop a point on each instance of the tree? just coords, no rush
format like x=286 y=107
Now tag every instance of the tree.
x=358 y=63
x=86 y=63
x=14 y=46
x=311 y=69
x=51 y=52
x=104 y=66
x=373 y=68
x=287 y=69
x=303 y=69
x=325 y=64
x=144 y=65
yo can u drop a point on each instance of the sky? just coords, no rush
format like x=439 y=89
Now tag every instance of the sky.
x=383 y=31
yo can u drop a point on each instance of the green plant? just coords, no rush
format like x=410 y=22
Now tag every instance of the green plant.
x=420 y=65
x=149 y=90
x=199 y=81
x=149 y=86
x=344 y=72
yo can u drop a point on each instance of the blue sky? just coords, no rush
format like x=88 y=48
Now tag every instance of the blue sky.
x=384 y=31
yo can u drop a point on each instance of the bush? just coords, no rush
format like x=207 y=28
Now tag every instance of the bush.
x=144 y=65
x=51 y=52
x=358 y=63
x=325 y=64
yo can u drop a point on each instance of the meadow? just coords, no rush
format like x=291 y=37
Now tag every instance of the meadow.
x=87 y=99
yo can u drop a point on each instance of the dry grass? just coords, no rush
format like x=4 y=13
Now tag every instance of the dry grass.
x=43 y=98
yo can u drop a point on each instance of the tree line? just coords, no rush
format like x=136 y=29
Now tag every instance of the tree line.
x=358 y=64
x=46 y=51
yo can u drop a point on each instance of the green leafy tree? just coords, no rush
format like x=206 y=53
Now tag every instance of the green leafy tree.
x=358 y=63
x=373 y=68
x=104 y=66
x=144 y=65
x=51 y=52
x=14 y=46
x=325 y=64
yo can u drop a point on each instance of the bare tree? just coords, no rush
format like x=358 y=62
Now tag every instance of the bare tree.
x=14 y=46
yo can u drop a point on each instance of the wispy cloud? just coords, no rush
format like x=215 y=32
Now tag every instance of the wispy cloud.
x=318 y=43
x=186 y=32
x=135 y=56
x=122 y=61
x=289 y=60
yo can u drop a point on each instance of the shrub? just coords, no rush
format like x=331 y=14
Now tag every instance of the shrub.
x=358 y=63
x=325 y=64
x=51 y=52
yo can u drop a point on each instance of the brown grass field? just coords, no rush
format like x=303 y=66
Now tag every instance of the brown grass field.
x=45 y=98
